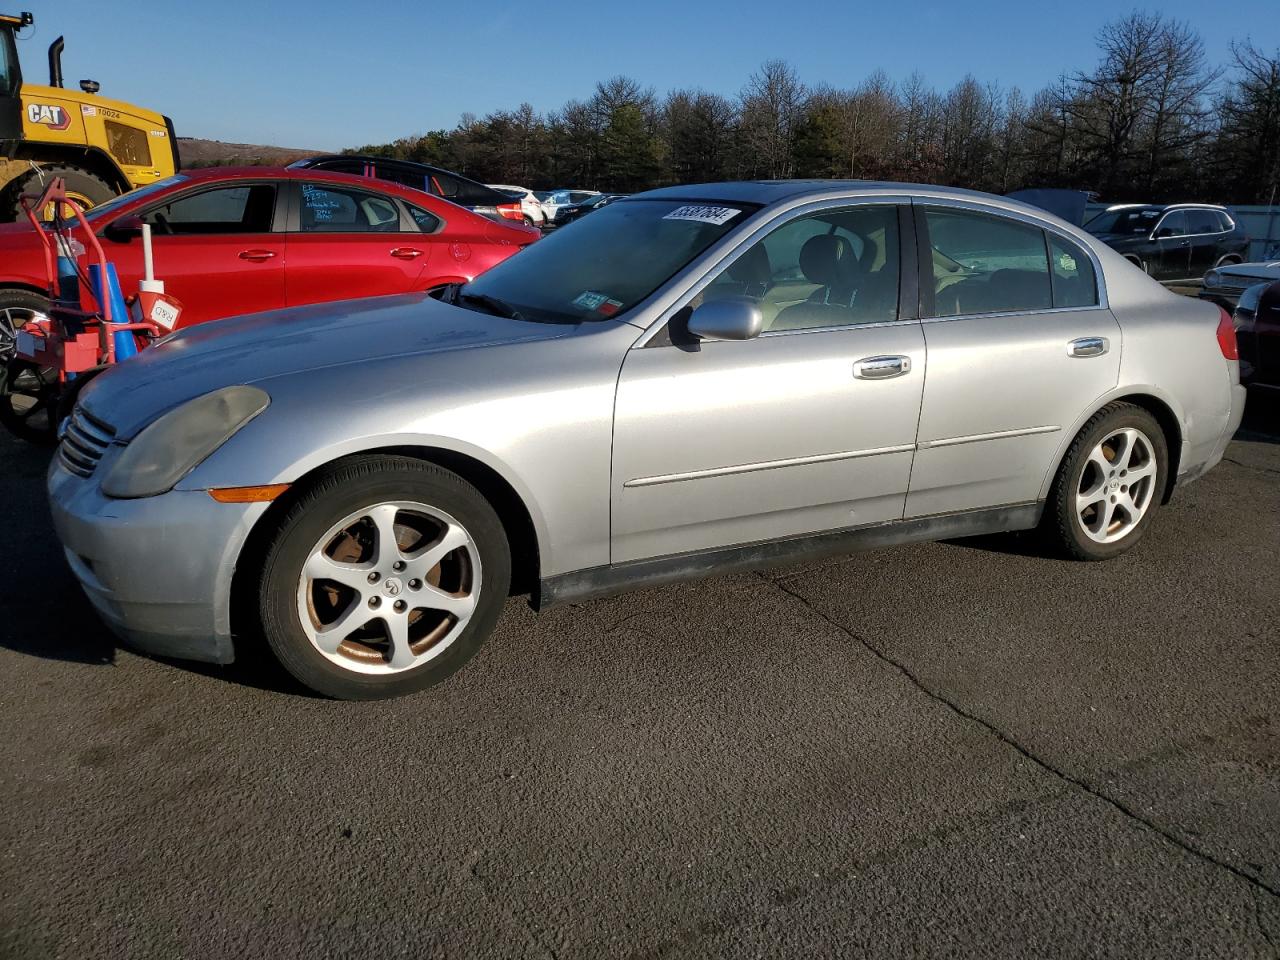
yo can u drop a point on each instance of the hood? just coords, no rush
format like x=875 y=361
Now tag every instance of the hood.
x=1264 y=271
x=261 y=346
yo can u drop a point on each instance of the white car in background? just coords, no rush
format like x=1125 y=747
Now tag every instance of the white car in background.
x=561 y=198
x=530 y=206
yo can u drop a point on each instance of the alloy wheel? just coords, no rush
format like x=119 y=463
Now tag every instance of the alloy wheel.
x=13 y=319
x=1116 y=486
x=389 y=587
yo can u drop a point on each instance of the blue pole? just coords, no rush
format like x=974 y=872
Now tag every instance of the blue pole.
x=124 y=342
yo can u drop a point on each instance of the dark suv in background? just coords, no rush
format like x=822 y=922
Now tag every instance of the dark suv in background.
x=442 y=183
x=1178 y=241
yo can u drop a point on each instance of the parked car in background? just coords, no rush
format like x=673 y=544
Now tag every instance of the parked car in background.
x=575 y=211
x=1172 y=242
x=420 y=176
x=1224 y=285
x=694 y=380
x=559 y=198
x=529 y=204
x=1257 y=320
x=232 y=241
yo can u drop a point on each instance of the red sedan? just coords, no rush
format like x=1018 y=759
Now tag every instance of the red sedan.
x=235 y=241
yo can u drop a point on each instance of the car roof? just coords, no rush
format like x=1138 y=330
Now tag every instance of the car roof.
x=1164 y=206
x=225 y=174
x=767 y=192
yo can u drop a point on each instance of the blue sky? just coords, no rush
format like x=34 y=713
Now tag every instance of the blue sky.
x=325 y=74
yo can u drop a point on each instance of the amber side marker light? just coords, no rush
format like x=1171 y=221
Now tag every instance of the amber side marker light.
x=248 y=494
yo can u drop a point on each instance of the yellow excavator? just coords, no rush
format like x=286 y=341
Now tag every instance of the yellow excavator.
x=100 y=147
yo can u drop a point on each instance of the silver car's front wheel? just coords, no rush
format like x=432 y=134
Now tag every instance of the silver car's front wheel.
x=385 y=574
x=389 y=587
x=1109 y=484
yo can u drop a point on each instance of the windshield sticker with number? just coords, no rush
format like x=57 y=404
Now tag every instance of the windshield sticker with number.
x=589 y=300
x=703 y=214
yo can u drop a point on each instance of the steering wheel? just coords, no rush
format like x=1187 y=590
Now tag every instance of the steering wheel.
x=162 y=223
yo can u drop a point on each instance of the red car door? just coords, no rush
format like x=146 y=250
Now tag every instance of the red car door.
x=215 y=249
x=348 y=242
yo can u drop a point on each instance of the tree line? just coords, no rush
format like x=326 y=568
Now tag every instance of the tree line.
x=1151 y=120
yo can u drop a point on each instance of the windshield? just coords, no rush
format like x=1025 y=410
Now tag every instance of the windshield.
x=115 y=203
x=606 y=264
x=1131 y=221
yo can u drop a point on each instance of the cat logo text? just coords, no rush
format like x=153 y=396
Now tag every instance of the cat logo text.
x=53 y=117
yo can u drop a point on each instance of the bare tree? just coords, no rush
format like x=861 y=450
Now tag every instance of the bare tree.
x=771 y=105
x=1249 y=138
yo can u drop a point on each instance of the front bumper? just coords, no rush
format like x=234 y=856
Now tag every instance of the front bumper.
x=158 y=570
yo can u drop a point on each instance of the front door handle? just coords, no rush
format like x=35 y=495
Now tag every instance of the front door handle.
x=881 y=368
x=1088 y=347
x=406 y=253
x=257 y=256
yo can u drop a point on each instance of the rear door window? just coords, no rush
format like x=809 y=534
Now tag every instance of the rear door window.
x=330 y=209
x=984 y=263
x=427 y=221
x=406 y=176
x=1074 y=283
x=1202 y=221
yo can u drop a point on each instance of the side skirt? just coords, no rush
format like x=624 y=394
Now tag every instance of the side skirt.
x=616 y=578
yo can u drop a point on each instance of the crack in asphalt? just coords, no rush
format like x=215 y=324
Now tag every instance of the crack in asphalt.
x=1262 y=926
x=1250 y=466
x=785 y=897
x=1007 y=739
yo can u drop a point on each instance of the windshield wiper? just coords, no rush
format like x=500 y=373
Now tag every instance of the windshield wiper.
x=495 y=306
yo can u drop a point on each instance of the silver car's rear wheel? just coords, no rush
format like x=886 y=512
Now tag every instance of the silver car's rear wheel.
x=389 y=587
x=1109 y=484
x=1116 y=486
x=383 y=575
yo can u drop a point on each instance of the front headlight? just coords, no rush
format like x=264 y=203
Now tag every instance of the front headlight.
x=1212 y=279
x=176 y=443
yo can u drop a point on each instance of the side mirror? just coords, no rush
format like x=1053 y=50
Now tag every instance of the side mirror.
x=734 y=318
x=124 y=229
x=1164 y=232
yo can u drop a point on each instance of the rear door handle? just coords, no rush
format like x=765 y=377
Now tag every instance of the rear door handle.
x=1088 y=347
x=257 y=256
x=881 y=368
x=406 y=253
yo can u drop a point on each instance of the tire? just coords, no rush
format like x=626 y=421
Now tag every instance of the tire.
x=29 y=402
x=1117 y=513
x=16 y=308
x=87 y=188
x=336 y=636
x=1230 y=260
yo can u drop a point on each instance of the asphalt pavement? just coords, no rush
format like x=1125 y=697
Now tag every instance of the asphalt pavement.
x=957 y=749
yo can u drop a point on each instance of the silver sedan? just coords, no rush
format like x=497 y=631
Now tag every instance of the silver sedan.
x=692 y=380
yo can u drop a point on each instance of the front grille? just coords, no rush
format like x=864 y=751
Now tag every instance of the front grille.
x=84 y=441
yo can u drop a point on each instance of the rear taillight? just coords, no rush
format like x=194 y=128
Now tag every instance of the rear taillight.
x=511 y=211
x=1227 y=336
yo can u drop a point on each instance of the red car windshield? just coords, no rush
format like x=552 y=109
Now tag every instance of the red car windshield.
x=605 y=264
